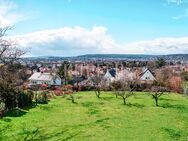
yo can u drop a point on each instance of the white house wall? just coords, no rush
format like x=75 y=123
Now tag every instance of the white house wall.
x=147 y=76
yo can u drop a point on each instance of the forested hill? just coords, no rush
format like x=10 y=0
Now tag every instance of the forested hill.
x=173 y=57
x=135 y=56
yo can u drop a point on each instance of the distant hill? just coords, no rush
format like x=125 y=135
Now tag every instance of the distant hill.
x=173 y=57
x=120 y=56
x=178 y=57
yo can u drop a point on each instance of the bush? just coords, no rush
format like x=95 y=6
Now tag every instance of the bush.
x=67 y=89
x=175 y=84
x=58 y=92
x=24 y=99
x=43 y=98
x=12 y=97
x=143 y=87
x=8 y=95
x=87 y=88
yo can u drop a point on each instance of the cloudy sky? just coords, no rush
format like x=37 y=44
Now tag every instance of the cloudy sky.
x=76 y=27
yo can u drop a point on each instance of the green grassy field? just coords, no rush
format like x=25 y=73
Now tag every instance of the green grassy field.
x=104 y=119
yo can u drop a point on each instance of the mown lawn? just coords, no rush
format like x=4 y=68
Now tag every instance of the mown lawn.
x=104 y=119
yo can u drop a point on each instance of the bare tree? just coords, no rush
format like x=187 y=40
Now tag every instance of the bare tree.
x=99 y=84
x=115 y=86
x=163 y=76
x=124 y=89
x=161 y=84
x=9 y=54
x=157 y=92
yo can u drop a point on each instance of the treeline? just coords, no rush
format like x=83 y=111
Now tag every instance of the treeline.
x=12 y=75
x=12 y=97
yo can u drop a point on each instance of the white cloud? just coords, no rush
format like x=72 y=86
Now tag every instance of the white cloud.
x=69 y=41
x=8 y=14
x=160 y=46
x=176 y=2
x=73 y=41
x=185 y=15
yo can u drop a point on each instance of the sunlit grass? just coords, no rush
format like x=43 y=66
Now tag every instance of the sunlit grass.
x=101 y=119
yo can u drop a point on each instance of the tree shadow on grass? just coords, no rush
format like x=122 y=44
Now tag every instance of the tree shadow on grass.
x=93 y=111
x=16 y=113
x=107 y=98
x=5 y=119
x=30 y=107
x=167 y=99
x=92 y=108
x=38 y=134
x=137 y=105
x=175 y=134
x=70 y=137
x=87 y=104
x=63 y=134
x=101 y=120
x=177 y=107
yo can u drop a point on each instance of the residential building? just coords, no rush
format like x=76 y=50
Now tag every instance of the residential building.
x=147 y=75
x=39 y=78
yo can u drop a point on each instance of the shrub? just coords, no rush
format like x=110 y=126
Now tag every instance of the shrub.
x=87 y=88
x=58 y=92
x=67 y=89
x=43 y=98
x=24 y=99
x=8 y=95
x=12 y=97
x=175 y=84
x=143 y=87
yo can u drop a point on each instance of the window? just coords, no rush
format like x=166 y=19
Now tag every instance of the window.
x=34 y=82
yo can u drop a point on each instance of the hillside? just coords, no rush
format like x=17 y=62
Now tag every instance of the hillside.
x=136 y=56
x=105 y=119
x=171 y=57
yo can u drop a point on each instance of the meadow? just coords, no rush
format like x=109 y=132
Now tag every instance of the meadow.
x=100 y=119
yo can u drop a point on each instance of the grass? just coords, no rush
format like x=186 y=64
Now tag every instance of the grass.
x=104 y=119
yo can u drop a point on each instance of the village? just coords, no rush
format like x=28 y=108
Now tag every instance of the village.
x=93 y=70
x=92 y=93
x=81 y=74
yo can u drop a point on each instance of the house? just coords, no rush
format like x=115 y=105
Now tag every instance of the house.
x=39 y=78
x=147 y=75
x=110 y=75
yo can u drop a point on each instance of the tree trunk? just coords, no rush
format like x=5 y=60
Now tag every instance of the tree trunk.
x=116 y=96
x=156 y=101
x=124 y=102
x=36 y=97
x=97 y=92
x=1 y=114
x=72 y=98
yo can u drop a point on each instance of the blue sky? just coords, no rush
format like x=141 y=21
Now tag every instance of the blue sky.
x=126 y=26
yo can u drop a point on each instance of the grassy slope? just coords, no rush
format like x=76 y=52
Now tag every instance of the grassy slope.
x=101 y=119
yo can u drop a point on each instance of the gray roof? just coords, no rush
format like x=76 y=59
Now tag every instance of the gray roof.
x=38 y=76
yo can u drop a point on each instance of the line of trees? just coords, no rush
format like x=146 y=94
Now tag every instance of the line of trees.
x=126 y=88
x=11 y=75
